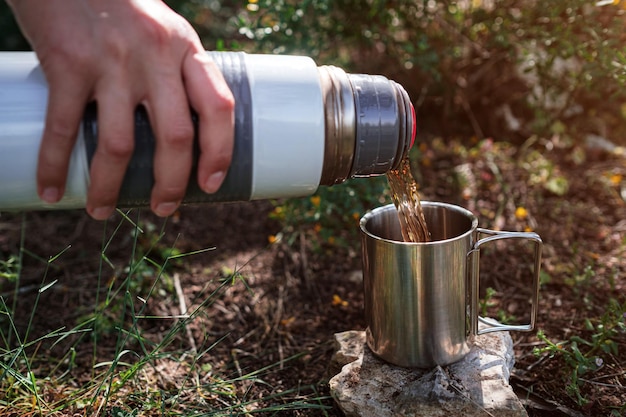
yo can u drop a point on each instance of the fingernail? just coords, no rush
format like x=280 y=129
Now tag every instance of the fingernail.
x=214 y=181
x=102 y=213
x=165 y=209
x=50 y=195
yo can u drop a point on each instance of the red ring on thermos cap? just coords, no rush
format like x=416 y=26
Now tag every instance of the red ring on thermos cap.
x=414 y=126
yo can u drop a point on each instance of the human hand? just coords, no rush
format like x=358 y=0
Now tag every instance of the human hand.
x=124 y=53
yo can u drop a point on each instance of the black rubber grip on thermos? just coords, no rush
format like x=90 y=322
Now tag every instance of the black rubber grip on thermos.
x=378 y=132
x=139 y=178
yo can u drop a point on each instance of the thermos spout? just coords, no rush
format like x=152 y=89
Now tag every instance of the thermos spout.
x=370 y=124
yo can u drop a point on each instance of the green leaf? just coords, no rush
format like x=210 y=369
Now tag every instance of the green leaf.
x=557 y=185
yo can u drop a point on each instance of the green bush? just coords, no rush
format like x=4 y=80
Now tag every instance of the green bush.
x=506 y=68
x=331 y=216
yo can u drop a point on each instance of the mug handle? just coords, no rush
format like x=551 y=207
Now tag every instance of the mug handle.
x=474 y=270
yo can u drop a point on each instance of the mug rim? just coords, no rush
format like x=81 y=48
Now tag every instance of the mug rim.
x=453 y=207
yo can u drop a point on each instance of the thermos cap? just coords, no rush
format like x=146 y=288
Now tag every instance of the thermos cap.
x=370 y=124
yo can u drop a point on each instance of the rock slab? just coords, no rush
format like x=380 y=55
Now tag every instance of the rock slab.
x=478 y=385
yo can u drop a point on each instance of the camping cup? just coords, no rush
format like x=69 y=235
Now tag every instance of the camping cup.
x=421 y=299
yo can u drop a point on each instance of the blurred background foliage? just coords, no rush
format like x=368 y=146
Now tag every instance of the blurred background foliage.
x=499 y=68
x=486 y=68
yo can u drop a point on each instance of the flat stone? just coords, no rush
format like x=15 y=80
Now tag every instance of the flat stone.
x=478 y=385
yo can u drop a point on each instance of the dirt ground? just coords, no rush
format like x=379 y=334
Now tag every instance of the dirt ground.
x=292 y=299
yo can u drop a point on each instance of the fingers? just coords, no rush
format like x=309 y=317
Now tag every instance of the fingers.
x=171 y=121
x=207 y=92
x=211 y=98
x=167 y=102
x=115 y=146
x=65 y=110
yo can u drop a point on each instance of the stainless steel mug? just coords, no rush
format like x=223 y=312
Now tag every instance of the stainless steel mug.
x=421 y=299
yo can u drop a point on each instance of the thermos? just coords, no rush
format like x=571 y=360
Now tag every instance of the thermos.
x=297 y=126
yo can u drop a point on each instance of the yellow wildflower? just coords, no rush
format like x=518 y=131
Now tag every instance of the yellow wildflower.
x=616 y=179
x=315 y=200
x=521 y=213
x=338 y=301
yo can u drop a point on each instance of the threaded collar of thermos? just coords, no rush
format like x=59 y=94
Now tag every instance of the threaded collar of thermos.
x=370 y=124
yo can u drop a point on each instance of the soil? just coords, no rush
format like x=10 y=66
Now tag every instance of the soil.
x=260 y=302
